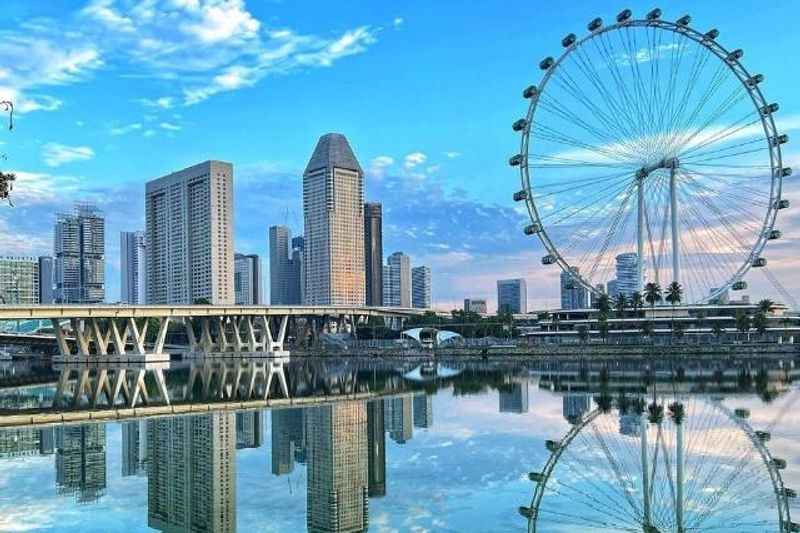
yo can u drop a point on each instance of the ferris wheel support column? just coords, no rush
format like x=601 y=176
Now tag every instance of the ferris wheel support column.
x=640 y=231
x=648 y=520
x=673 y=211
x=679 y=479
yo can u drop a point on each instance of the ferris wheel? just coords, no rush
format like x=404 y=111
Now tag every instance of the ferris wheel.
x=649 y=154
x=694 y=466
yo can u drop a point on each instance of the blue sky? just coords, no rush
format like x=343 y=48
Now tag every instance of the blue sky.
x=112 y=93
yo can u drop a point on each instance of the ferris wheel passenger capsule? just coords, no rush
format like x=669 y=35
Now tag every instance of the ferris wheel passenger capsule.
x=789 y=493
x=735 y=55
x=780 y=464
x=595 y=24
x=742 y=413
x=654 y=14
x=793 y=527
x=752 y=81
x=533 y=229
x=552 y=445
x=771 y=108
x=684 y=20
x=786 y=172
x=763 y=436
x=530 y=92
x=520 y=195
x=774 y=234
x=536 y=477
x=569 y=40
x=624 y=15
x=515 y=160
x=739 y=286
x=546 y=63
x=710 y=35
x=759 y=262
x=527 y=512
x=780 y=139
x=519 y=125
x=783 y=204
x=549 y=259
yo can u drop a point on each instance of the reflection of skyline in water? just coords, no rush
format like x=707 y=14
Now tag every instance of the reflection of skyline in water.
x=336 y=454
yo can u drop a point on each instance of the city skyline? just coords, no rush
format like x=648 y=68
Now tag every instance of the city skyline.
x=438 y=188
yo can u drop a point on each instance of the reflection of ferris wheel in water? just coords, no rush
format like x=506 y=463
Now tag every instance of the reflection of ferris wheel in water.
x=696 y=466
x=648 y=137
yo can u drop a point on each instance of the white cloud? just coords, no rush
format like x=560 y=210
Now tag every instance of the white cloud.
x=383 y=161
x=219 y=20
x=169 y=126
x=149 y=133
x=398 y=21
x=55 y=154
x=415 y=158
x=164 y=102
x=452 y=155
x=123 y=130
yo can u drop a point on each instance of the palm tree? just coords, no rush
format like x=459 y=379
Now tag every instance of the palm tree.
x=602 y=326
x=621 y=304
x=637 y=302
x=718 y=330
x=765 y=305
x=760 y=323
x=604 y=303
x=652 y=293
x=647 y=329
x=674 y=294
x=743 y=323
x=583 y=334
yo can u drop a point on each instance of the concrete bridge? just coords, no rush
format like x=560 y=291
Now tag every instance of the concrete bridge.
x=120 y=332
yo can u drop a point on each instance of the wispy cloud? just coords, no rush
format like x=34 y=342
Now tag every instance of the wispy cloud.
x=169 y=126
x=414 y=159
x=55 y=154
x=123 y=130
x=164 y=102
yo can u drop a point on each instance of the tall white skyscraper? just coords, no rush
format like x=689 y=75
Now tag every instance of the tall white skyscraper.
x=333 y=213
x=132 y=267
x=397 y=281
x=421 y=287
x=247 y=279
x=627 y=272
x=189 y=235
x=512 y=295
x=80 y=260
x=573 y=294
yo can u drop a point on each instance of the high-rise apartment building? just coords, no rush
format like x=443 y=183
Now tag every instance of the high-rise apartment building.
x=337 y=489
x=475 y=305
x=247 y=279
x=573 y=294
x=399 y=418
x=81 y=461
x=80 y=260
x=297 y=279
x=279 y=272
x=397 y=281
x=288 y=438
x=47 y=293
x=249 y=429
x=514 y=398
x=421 y=287
x=373 y=253
x=132 y=267
x=189 y=235
x=423 y=410
x=376 y=445
x=19 y=280
x=333 y=213
x=191 y=478
x=512 y=295
x=627 y=274
x=134 y=448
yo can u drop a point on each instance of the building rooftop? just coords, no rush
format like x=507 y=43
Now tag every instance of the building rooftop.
x=333 y=150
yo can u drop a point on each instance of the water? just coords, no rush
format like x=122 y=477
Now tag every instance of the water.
x=395 y=446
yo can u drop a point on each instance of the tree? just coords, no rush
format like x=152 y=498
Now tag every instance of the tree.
x=602 y=325
x=743 y=323
x=760 y=323
x=583 y=333
x=621 y=304
x=637 y=302
x=718 y=330
x=765 y=305
x=652 y=293
x=674 y=295
x=647 y=329
x=604 y=303
x=202 y=301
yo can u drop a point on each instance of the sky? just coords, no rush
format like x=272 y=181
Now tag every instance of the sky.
x=112 y=93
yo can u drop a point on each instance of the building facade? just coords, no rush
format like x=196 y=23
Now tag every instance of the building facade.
x=475 y=305
x=47 y=293
x=421 y=287
x=297 y=272
x=573 y=294
x=373 y=253
x=189 y=235
x=19 y=280
x=333 y=214
x=376 y=444
x=279 y=273
x=397 y=281
x=80 y=262
x=132 y=267
x=627 y=274
x=512 y=295
x=247 y=279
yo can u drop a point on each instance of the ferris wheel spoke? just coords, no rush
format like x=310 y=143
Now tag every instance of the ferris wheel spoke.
x=577 y=184
x=593 y=202
x=555 y=108
x=561 y=138
x=740 y=125
x=737 y=95
x=582 y=521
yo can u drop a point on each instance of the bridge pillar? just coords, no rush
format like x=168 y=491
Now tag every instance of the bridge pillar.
x=94 y=386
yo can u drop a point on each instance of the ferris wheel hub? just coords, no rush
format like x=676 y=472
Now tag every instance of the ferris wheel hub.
x=671 y=163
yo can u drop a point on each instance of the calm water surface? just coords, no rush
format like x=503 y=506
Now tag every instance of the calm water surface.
x=445 y=447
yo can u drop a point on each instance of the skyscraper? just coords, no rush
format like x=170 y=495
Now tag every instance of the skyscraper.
x=80 y=261
x=248 y=429
x=247 y=279
x=573 y=294
x=337 y=498
x=191 y=473
x=19 y=280
x=297 y=270
x=376 y=444
x=81 y=461
x=373 y=252
x=397 y=281
x=423 y=410
x=189 y=235
x=627 y=272
x=333 y=213
x=421 y=287
x=132 y=267
x=399 y=418
x=279 y=272
x=46 y=293
x=514 y=398
x=512 y=295
x=134 y=448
